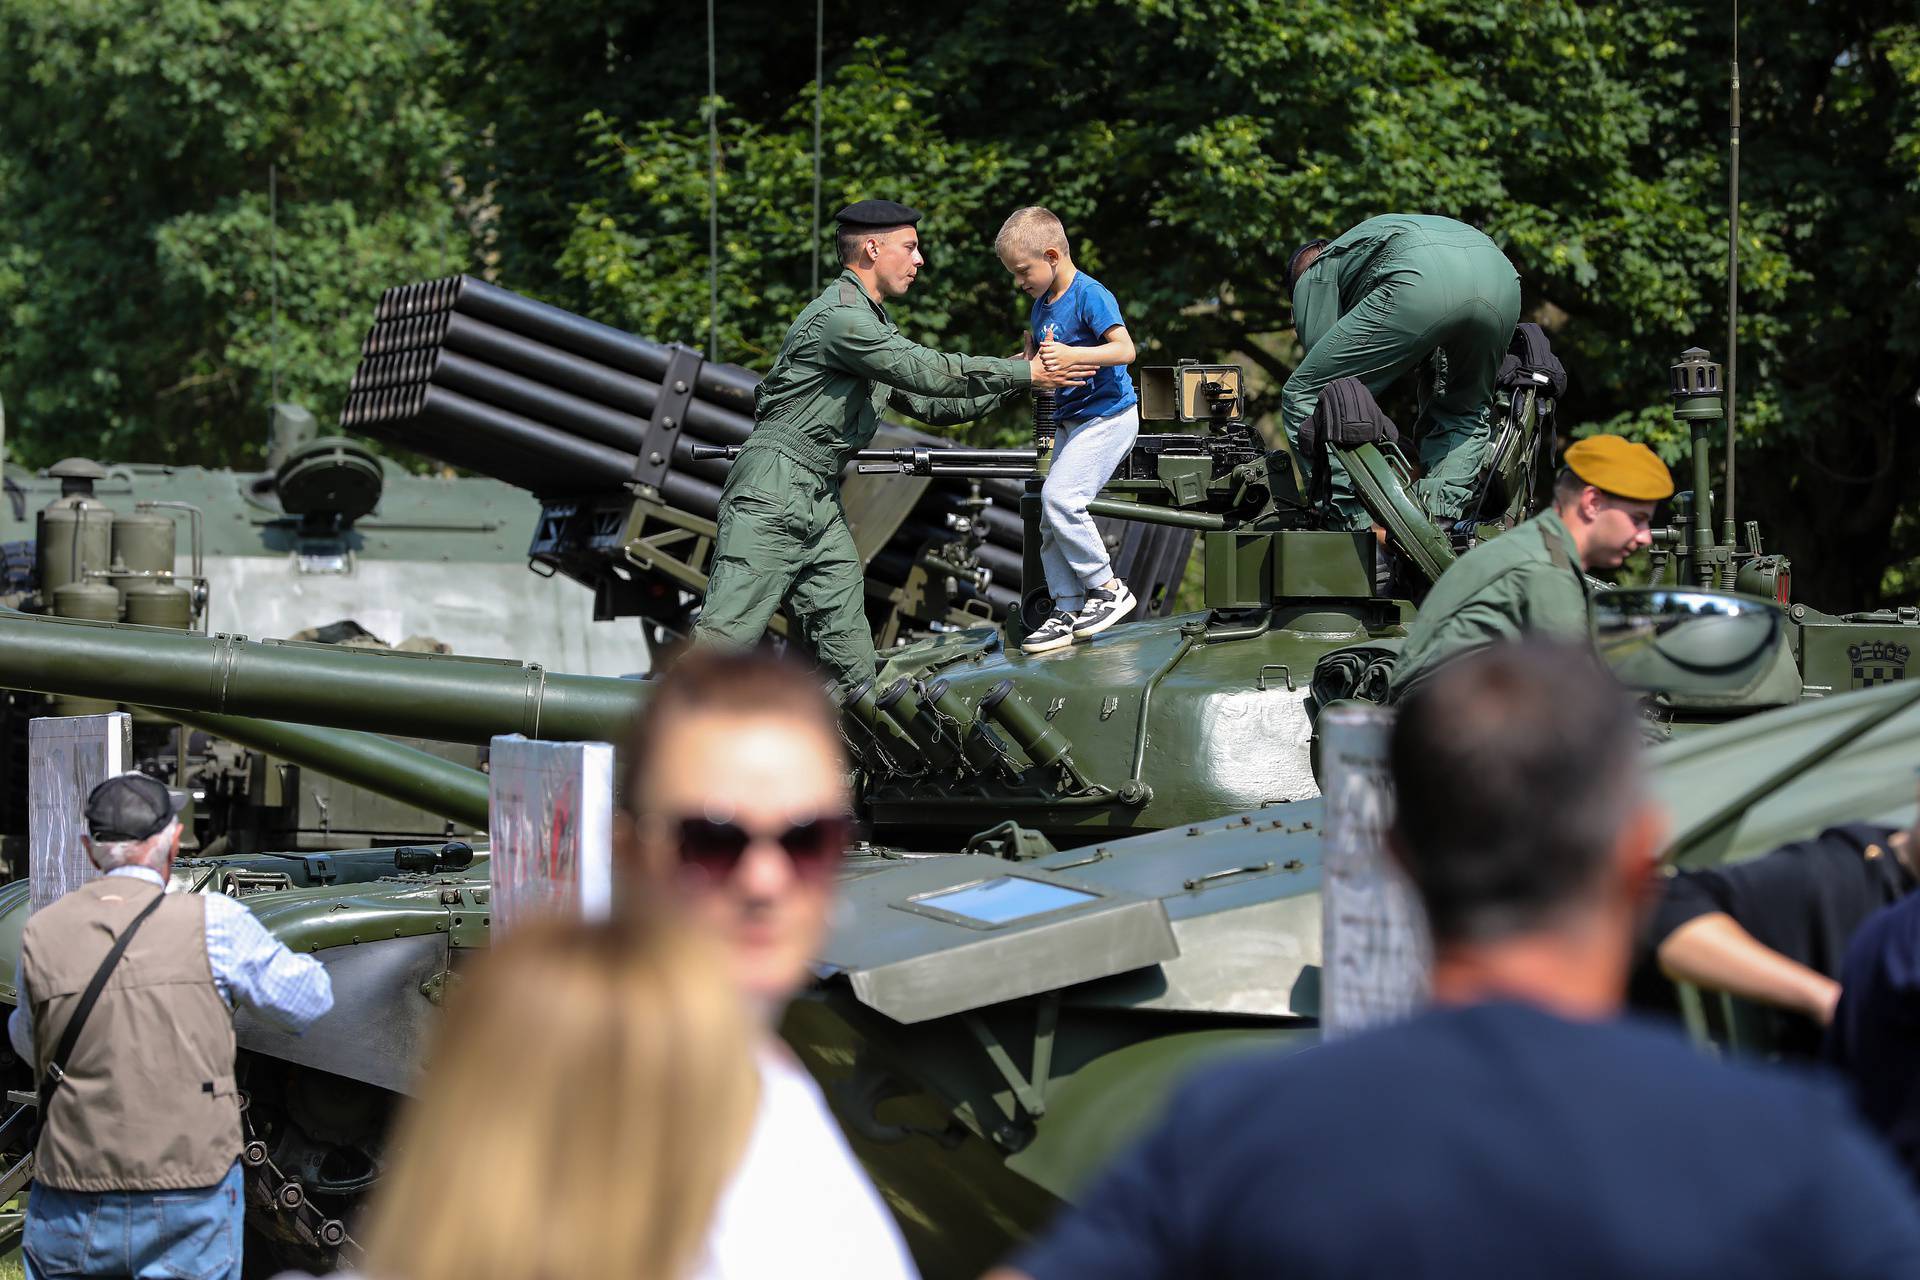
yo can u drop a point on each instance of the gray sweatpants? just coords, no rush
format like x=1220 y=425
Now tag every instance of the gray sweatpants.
x=1084 y=458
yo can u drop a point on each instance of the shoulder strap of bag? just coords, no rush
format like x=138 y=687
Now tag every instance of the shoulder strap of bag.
x=1556 y=550
x=57 y=1065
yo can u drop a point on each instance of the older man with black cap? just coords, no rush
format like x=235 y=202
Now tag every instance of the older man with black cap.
x=783 y=535
x=126 y=1011
x=1533 y=580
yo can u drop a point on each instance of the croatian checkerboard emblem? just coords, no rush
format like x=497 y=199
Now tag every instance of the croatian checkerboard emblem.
x=1878 y=662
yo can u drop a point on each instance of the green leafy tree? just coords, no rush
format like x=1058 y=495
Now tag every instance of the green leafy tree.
x=641 y=251
x=1189 y=146
x=135 y=270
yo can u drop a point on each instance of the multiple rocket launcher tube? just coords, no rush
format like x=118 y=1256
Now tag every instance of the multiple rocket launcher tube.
x=548 y=401
x=490 y=381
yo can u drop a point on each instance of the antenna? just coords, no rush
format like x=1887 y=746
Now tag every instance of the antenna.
x=713 y=200
x=819 y=43
x=273 y=270
x=1733 y=277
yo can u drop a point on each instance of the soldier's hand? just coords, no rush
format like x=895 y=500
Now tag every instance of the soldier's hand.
x=1047 y=377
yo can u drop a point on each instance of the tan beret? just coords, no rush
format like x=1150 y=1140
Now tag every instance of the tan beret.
x=1620 y=467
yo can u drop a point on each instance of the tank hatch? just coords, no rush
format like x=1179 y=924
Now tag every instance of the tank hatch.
x=330 y=482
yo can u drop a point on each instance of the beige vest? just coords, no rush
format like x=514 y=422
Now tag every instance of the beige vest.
x=149 y=1102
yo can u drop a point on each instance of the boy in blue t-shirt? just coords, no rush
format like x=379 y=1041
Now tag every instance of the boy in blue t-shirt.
x=1076 y=324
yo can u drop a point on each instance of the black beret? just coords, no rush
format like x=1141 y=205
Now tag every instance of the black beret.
x=877 y=213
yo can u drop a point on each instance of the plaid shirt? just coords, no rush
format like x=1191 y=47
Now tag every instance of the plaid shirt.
x=249 y=965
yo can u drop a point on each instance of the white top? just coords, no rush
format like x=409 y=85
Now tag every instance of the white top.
x=799 y=1206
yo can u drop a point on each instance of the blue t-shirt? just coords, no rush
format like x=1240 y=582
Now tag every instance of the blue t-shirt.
x=1496 y=1140
x=1080 y=318
x=1875 y=1037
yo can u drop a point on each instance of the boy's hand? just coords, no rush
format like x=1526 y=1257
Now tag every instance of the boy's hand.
x=1046 y=377
x=1066 y=360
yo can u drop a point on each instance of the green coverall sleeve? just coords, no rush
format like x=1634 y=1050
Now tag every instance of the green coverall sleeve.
x=855 y=340
x=1316 y=305
x=947 y=411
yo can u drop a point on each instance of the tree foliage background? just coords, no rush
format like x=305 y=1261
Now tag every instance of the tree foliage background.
x=561 y=149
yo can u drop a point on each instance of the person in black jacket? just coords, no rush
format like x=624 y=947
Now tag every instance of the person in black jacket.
x=1774 y=929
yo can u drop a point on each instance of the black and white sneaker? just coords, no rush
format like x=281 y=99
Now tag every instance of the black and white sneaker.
x=1055 y=633
x=1102 y=609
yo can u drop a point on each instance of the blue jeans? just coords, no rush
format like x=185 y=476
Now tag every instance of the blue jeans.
x=151 y=1235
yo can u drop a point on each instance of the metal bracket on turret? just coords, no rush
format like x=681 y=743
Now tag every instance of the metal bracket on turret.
x=1029 y=1095
x=669 y=417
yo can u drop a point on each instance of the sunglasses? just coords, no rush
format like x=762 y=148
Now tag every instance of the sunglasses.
x=716 y=845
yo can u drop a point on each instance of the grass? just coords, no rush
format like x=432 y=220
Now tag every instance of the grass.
x=11 y=1266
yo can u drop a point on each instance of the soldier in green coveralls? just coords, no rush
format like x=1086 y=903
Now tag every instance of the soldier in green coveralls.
x=1533 y=580
x=783 y=535
x=1380 y=299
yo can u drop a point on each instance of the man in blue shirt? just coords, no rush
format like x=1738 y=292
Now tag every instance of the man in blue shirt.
x=1519 y=1127
x=1875 y=1036
x=1076 y=328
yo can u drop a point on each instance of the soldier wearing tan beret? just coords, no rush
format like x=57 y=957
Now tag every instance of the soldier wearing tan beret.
x=1532 y=581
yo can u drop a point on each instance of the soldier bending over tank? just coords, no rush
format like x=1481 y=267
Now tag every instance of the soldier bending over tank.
x=1380 y=299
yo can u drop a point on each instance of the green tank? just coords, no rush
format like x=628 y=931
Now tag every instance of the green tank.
x=1149 y=794
x=982 y=1068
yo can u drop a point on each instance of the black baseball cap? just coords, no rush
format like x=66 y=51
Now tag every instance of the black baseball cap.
x=131 y=806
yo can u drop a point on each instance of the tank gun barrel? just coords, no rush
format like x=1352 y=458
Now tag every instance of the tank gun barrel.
x=382 y=766
x=446 y=698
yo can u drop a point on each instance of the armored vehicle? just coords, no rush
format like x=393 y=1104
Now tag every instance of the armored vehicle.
x=329 y=542
x=1083 y=872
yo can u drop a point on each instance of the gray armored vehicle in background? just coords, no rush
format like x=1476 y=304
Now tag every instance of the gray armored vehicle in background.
x=330 y=543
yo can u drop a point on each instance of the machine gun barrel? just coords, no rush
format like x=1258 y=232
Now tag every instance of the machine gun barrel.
x=958 y=463
x=446 y=698
x=914 y=462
